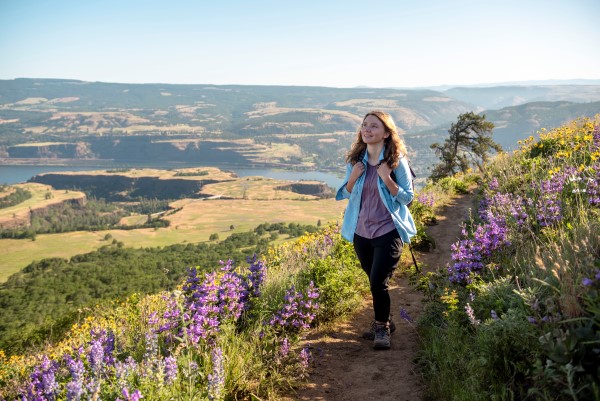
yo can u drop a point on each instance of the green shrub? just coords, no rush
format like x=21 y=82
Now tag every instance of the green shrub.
x=453 y=185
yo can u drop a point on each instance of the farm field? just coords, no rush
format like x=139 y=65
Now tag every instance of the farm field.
x=195 y=222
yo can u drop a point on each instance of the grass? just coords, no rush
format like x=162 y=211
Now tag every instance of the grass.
x=194 y=223
x=257 y=188
x=37 y=200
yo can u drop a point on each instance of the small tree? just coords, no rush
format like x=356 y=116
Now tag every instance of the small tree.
x=468 y=145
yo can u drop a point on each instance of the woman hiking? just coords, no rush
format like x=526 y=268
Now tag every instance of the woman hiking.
x=377 y=221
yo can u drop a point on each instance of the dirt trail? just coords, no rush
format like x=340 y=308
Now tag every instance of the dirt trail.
x=348 y=367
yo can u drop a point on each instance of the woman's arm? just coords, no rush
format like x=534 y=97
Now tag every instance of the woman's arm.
x=405 y=192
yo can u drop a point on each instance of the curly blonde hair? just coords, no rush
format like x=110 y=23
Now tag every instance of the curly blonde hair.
x=394 y=145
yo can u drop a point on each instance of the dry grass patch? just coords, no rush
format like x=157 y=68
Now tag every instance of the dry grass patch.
x=42 y=196
x=254 y=188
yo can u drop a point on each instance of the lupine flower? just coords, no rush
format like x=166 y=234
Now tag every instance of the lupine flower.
x=135 y=396
x=171 y=369
x=471 y=314
x=503 y=204
x=216 y=379
x=494 y=314
x=593 y=186
x=531 y=319
x=305 y=357
x=297 y=313
x=284 y=349
x=43 y=384
x=426 y=199
x=256 y=276
x=405 y=315
x=123 y=370
x=493 y=184
x=76 y=387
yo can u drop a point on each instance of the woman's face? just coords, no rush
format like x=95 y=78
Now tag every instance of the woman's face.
x=373 y=131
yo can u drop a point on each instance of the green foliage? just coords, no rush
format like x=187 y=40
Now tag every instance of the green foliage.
x=45 y=291
x=526 y=325
x=422 y=241
x=341 y=280
x=453 y=185
x=191 y=173
x=94 y=215
x=468 y=145
x=14 y=198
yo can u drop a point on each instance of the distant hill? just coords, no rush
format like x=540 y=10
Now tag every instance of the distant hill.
x=519 y=122
x=511 y=125
x=502 y=96
x=260 y=126
x=233 y=109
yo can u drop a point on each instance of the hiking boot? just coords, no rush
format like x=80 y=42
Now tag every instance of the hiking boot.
x=382 y=337
x=370 y=335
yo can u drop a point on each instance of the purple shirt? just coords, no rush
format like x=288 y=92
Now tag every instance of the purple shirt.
x=374 y=220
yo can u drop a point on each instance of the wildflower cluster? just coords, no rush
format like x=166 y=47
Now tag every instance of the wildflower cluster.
x=95 y=371
x=78 y=375
x=503 y=216
x=298 y=311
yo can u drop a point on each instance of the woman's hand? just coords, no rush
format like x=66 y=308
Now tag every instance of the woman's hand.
x=385 y=173
x=357 y=170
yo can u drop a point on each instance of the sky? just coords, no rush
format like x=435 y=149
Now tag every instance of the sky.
x=348 y=43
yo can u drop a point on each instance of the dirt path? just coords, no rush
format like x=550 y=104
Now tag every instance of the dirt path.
x=348 y=367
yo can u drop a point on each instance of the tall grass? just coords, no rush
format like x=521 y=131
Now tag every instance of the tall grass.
x=517 y=313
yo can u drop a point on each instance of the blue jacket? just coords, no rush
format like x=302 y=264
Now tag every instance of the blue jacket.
x=396 y=205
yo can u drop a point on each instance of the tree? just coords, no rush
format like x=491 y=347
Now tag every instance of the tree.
x=468 y=145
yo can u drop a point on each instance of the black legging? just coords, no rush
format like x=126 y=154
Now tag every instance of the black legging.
x=378 y=258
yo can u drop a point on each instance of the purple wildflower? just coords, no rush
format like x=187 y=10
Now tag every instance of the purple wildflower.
x=284 y=349
x=123 y=370
x=494 y=314
x=305 y=357
x=135 y=396
x=256 y=276
x=493 y=184
x=426 y=199
x=216 y=379
x=587 y=282
x=471 y=314
x=96 y=356
x=76 y=387
x=297 y=312
x=171 y=369
x=405 y=315
x=43 y=385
